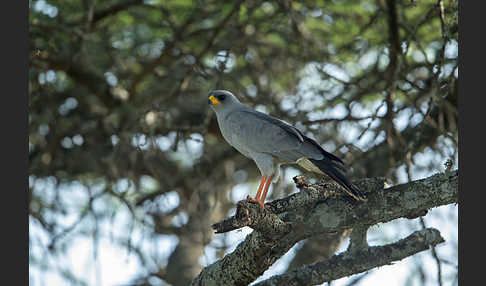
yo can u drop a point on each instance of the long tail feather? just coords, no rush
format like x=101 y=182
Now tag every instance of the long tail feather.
x=327 y=166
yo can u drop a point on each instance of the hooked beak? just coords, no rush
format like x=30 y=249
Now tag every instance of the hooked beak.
x=213 y=100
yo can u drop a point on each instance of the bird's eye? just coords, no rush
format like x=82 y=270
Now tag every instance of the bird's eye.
x=221 y=97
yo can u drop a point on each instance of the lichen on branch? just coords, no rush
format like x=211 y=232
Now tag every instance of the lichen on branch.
x=322 y=209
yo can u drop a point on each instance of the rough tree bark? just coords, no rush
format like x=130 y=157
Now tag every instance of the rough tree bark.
x=320 y=208
x=351 y=262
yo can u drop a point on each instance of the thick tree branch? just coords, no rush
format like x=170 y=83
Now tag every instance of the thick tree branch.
x=249 y=214
x=326 y=215
x=350 y=262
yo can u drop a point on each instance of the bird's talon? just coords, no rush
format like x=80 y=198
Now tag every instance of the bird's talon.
x=263 y=206
x=250 y=199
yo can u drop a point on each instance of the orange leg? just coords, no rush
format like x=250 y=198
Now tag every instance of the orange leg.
x=265 y=190
x=259 y=192
x=260 y=188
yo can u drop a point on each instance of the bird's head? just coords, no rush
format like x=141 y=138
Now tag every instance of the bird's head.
x=221 y=99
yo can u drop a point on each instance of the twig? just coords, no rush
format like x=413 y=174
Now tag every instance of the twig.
x=434 y=254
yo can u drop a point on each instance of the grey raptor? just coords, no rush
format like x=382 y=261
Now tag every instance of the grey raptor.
x=271 y=142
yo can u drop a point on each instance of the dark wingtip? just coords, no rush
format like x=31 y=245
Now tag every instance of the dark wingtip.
x=356 y=192
x=330 y=169
x=324 y=152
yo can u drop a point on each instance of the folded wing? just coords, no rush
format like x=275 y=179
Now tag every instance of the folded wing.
x=257 y=132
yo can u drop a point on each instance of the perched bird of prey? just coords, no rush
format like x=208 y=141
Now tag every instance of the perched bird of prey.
x=270 y=142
